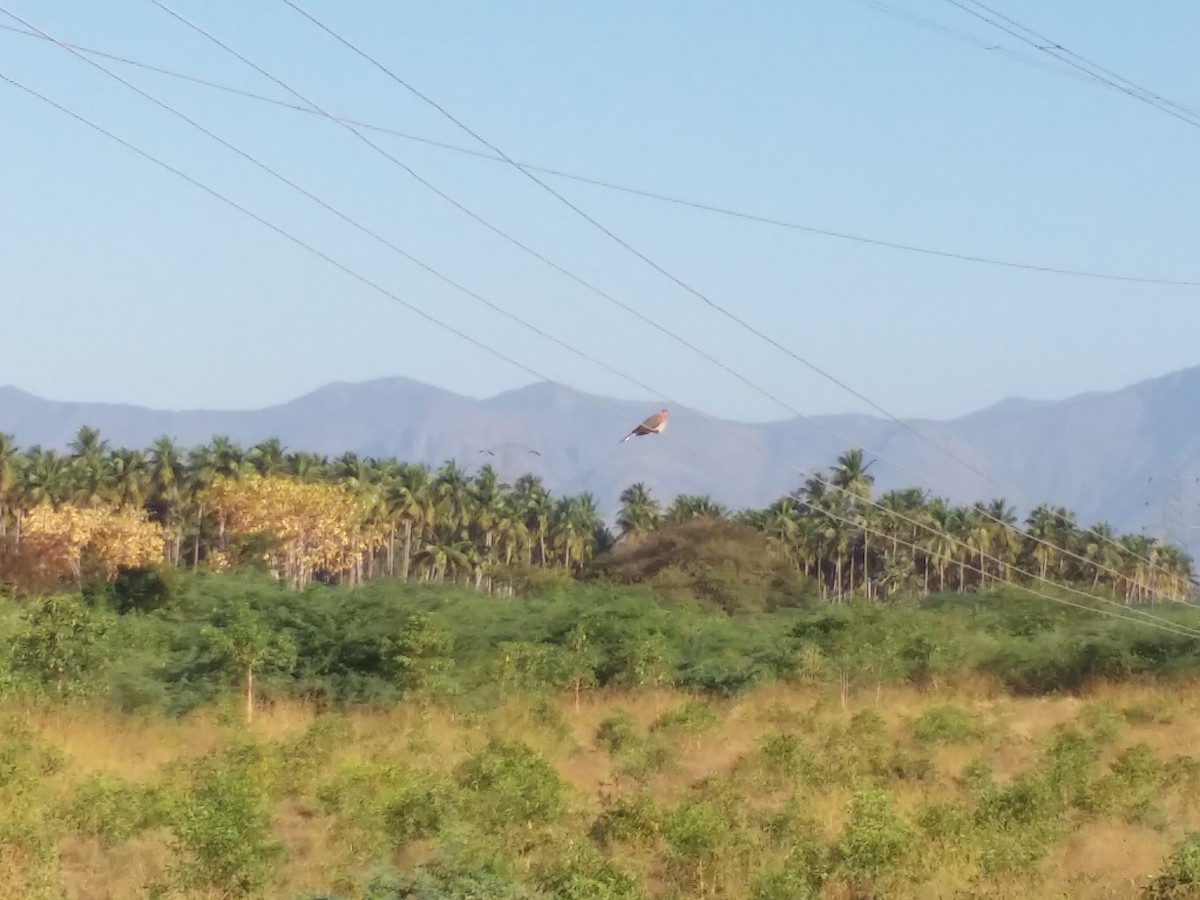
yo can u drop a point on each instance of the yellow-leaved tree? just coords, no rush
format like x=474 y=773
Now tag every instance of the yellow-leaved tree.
x=56 y=542
x=312 y=528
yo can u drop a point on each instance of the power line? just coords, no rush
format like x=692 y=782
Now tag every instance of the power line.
x=1057 y=51
x=521 y=245
x=646 y=193
x=537 y=330
x=963 y=36
x=1150 y=618
x=621 y=242
x=375 y=235
x=442 y=277
x=1190 y=110
x=576 y=278
x=385 y=241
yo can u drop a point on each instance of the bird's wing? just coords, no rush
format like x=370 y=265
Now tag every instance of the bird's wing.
x=653 y=422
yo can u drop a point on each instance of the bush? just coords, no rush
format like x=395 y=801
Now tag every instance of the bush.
x=617 y=734
x=439 y=882
x=114 y=810
x=786 y=755
x=580 y=874
x=874 y=839
x=721 y=563
x=945 y=725
x=144 y=589
x=222 y=829
x=627 y=821
x=513 y=784
x=1180 y=877
x=696 y=833
x=691 y=716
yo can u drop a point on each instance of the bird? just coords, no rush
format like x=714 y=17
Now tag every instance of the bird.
x=655 y=424
x=490 y=451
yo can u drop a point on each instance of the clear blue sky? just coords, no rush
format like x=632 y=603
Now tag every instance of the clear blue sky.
x=120 y=282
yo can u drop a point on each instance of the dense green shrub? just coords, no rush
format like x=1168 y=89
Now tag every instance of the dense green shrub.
x=114 y=810
x=945 y=725
x=222 y=824
x=512 y=784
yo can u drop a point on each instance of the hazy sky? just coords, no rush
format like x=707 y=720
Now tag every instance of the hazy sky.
x=121 y=282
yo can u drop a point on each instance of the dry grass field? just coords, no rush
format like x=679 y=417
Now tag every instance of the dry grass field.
x=781 y=793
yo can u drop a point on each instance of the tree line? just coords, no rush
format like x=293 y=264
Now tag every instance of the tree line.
x=349 y=519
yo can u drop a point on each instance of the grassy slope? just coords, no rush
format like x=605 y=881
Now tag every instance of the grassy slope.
x=731 y=801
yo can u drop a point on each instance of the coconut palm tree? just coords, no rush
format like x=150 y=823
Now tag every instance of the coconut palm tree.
x=574 y=530
x=691 y=506
x=640 y=512
x=130 y=478
x=9 y=469
x=1101 y=551
x=409 y=498
x=938 y=543
x=532 y=503
x=168 y=475
x=228 y=459
x=307 y=466
x=849 y=474
x=203 y=467
x=267 y=457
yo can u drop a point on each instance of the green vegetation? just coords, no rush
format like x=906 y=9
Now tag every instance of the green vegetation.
x=471 y=690
x=220 y=505
x=417 y=740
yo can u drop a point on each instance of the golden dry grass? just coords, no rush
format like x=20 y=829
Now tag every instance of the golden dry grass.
x=1101 y=856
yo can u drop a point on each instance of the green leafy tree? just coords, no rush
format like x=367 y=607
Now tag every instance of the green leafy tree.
x=245 y=643
x=578 y=660
x=59 y=645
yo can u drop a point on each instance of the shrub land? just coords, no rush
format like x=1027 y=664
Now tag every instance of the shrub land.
x=587 y=741
x=229 y=674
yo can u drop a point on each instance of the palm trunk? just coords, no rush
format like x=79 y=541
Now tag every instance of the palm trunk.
x=249 y=693
x=867 y=563
x=196 y=548
x=408 y=529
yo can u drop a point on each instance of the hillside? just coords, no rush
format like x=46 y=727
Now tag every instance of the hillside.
x=1105 y=455
x=223 y=736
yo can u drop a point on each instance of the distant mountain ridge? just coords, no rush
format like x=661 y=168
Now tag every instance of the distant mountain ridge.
x=1130 y=456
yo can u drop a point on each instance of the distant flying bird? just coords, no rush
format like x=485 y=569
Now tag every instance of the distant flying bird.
x=656 y=424
x=491 y=451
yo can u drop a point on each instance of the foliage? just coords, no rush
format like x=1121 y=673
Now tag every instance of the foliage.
x=59 y=644
x=67 y=542
x=724 y=564
x=313 y=529
x=945 y=725
x=875 y=838
x=305 y=518
x=512 y=784
x=221 y=823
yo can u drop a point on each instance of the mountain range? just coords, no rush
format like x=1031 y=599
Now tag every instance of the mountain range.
x=1130 y=456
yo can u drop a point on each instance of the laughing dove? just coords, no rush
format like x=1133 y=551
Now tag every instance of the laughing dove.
x=656 y=424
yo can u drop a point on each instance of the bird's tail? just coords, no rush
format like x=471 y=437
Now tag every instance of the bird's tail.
x=624 y=439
